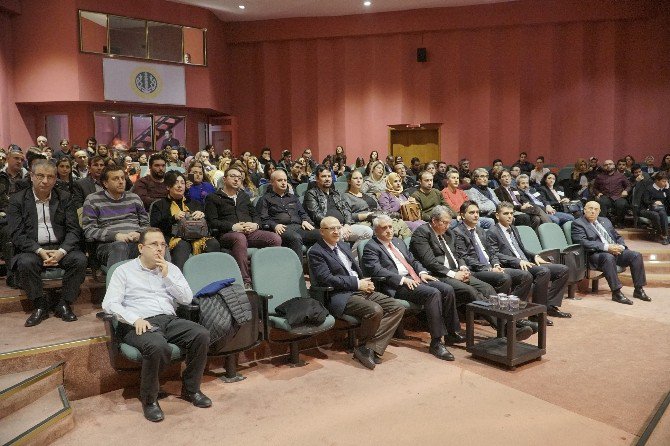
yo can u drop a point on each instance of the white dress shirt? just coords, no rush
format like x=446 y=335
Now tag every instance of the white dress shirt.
x=136 y=292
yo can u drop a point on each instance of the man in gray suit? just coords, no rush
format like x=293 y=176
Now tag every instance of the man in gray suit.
x=607 y=250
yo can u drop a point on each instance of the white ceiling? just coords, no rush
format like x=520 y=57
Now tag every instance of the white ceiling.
x=229 y=11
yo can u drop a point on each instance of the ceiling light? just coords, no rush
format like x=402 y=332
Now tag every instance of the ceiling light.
x=241 y=6
x=368 y=3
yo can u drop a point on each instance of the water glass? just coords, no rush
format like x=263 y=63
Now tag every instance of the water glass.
x=504 y=303
x=493 y=300
x=513 y=303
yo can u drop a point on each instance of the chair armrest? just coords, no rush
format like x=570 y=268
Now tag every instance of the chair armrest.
x=104 y=316
x=322 y=289
x=265 y=296
x=550 y=255
x=379 y=279
x=190 y=312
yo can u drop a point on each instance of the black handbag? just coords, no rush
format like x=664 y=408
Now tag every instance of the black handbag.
x=573 y=207
x=189 y=229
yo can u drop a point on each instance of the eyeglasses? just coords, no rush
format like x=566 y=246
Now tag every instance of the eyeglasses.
x=157 y=245
x=41 y=177
x=234 y=177
x=333 y=228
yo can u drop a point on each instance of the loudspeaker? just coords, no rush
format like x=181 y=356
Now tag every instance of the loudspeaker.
x=421 y=55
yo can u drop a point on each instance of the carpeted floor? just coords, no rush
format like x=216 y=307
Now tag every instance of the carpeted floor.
x=605 y=373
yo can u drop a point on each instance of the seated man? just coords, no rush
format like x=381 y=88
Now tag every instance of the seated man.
x=150 y=187
x=429 y=197
x=406 y=279
x=230 y=212
x=323 y=201
x=331 y=264
x=90 y=183
x=483 y=262
x=432 y=245
x=114 y=218
x=505 y=240
x=611 y=189
x=535 y=215
x=537 y=200
x=454 y=197
x=281 y=212
x=407 y=181
x=607 y=250
x=655 y=204
x=45 y=233
x=483 y=195
x=143 y=294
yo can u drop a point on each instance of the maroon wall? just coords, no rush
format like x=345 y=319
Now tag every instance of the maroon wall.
x=568 y=80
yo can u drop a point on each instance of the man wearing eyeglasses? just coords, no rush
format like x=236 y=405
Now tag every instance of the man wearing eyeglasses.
x=143 y=294
x=230 y=212
x=45 y=233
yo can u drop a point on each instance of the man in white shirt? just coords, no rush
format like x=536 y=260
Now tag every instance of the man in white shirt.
x=142 y=294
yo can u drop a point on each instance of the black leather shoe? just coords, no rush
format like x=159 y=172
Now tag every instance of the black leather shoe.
x=617 y=296
x=376 y=358
x=536 y=319
x=153 y=412
x=198 y=398
x=364 y=356
x=640 y=294
x=555 y=312
x=38 y=316
x=526 y=323
x=454 y=338
x=439 y=350
x=64 y=312
x=523 y=333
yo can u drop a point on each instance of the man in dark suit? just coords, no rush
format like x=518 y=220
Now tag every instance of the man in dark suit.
x=331 y=264
x=45 y=233
x=505 y=240
x=483 y=262
x=505 y=192
x=607 y=250
x=432 y=245
x=406 y=279
x=89 y=184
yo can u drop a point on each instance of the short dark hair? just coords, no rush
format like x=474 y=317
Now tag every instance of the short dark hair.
x=540 y=158
x=232 y=167
x=661 y=175
x=635 y=167
x=171 y=178
x=155 y=157
x=109 y=169
x=34 y=154
x=320 y=168
x=92 y=139
x=415 y=160
x=149 y=230
x=504 y=205
x=523 y=153
x=466 y=204
x=95 y=159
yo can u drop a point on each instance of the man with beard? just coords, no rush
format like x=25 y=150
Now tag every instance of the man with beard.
x=150 y=188
x=90 y=184
x=524 y=165
x=610 y=189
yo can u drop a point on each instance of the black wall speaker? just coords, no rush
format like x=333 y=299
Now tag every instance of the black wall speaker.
x=421 y=55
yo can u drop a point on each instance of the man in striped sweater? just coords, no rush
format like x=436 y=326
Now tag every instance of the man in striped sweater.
x=114 y=218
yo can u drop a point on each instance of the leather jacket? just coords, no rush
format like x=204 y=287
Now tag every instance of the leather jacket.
x=316 y=205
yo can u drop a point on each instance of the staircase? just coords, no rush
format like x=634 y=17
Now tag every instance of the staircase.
x=34 y=408
x=656 y=258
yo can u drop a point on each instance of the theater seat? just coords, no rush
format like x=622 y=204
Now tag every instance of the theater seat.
x=277 y=271
x=571 y=255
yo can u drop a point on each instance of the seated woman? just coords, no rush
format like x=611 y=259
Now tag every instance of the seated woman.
x=197 y=186
x=166 y=214
x=64 y=180
x=556 y=197
x=375 y=183
x=393 y=197
x=577 y=186
x=655 y=205
x=270 y=167
x=252 y=170
x=246 y=184
x=216 y=175
x=364 y=206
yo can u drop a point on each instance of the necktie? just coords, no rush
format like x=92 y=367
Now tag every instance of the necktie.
x=515 y=244
x=480 y=253
x=511 y=194
x=453 y=264
x=603 y=233
x=398 y=255
x=345 y=262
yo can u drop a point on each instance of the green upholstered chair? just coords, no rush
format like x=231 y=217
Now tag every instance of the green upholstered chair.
x=205 y=268
x=262 y=189
x=300 y=189
x=572 y=255
x=278 y=272
x=341 y=186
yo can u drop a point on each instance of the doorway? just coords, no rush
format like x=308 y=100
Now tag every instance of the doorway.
x=410 y=140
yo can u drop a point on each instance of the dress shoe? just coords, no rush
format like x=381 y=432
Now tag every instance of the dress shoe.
x=364 y=356
x=617 y=296
x=536 y=319
x=64 y=312
x=439 y=350
x=665 y=240
x=153 y=412
x=376 y=358
x=640 y=294
x=526 y=323
x=454 y=338
x=38 y=316
x=198 y=398
x=555 y=312
x=523 y=333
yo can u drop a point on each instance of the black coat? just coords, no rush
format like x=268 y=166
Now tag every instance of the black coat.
x=428 y=250
x=161 y=217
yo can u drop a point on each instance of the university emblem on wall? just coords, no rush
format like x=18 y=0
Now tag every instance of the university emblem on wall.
x=146 y=83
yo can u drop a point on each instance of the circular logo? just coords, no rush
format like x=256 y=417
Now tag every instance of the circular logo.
x=146 y=82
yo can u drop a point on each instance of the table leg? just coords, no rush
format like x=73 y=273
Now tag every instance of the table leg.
x=469 y=328
x=511 y=342
x=542 y=335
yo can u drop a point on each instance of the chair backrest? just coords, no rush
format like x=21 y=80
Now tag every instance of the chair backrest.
x=567 y=231
x=278 y=271
x=342 y=178
x=262 y=189
x=176 y=169
x=111 y=270
x=636 y=199
x=300 y=189
x=563 y=174
x=551 y=236
x=341 y=186
x=529 y=239
x=209 y=267
x=144 y=171
x=361 y=246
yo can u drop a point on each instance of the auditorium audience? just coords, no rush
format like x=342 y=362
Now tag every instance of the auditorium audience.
x=523 y=164
x=91 y=183
x=655 y=205
x=394 y=197
x=536 y=199
x=539 y=171
x=65 y=180
x=610 y=190
x=197 y=184
x=455 y=197
x=427 y=196
x=150 y=187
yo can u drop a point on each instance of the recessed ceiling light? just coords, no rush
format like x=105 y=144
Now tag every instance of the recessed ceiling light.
x=367 y=3
x=241 y=6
